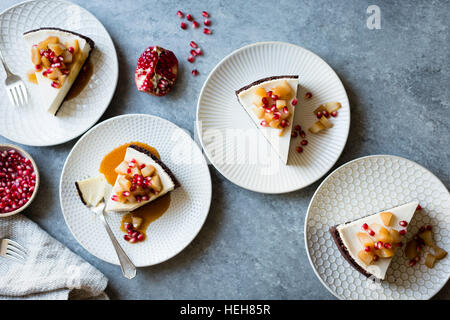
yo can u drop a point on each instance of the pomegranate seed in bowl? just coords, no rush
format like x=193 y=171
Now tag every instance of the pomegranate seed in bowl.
x=19 y=180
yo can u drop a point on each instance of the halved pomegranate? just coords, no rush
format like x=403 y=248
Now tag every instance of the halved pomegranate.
x=156 y=71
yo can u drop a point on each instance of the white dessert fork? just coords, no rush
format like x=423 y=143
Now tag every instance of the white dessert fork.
x=17 y=91
x=12 y=250
x=128 y=268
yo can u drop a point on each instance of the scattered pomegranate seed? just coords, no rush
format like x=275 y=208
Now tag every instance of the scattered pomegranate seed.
x=334 y=114
x=71 y=49
x=388 y=245
x=127 y=237
x=325 y=114
x=180 y=14
x=422 y=229
x=429 y=227
x=193 y=53
x=195 y=24
x=294 y=102
x=133 y=240
x=371 y=232
x=294 y=134
x=207 y=22
x=207 y=31
x=412 y=263
x=379 y=244
x=195 y=72
x=191 y=59
x=403 y=223
x=38 y=67
x=302 y=134
x=299 y=149
x=402 y=232
x=199 y=52
x=375 y=258
x=140 y=237
x=193 y=45
x=274 y=97
x=367 y=249
x=419 y=207
x=308 y=95
x=365 y=226
x=264 y=123
x=183 y=25
x=189 y=17
x=205 y=14
x=319 y=115
x=304 y=142
x=297 y=127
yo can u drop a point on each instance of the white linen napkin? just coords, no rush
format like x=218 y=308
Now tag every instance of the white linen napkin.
x=51 y=271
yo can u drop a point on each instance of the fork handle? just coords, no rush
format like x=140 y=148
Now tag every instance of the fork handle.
x=128 y=268
x=8 y=72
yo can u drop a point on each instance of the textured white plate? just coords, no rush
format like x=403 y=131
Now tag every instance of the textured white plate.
x=189 y=206
x=369 y=185
x=30 y=124
x=230 y=138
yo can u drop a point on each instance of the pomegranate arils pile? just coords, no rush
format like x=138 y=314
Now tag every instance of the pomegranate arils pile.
x=133 y=235
x=195 y=25
x=156 y=71
x=17 y=181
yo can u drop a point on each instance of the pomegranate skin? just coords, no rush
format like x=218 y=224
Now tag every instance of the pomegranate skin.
x=156 y=71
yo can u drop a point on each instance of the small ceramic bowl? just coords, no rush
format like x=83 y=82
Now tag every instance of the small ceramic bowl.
x=25 y=154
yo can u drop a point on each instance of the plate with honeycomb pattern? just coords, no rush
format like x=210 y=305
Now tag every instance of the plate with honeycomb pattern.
x=365 y=186
x=30 y=124
x=189 y=204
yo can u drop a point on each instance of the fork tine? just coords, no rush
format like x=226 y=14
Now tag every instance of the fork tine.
x=14 y=254
x=14 y=94
x=23 y=88
x=7 y=256
x=12 y=242
x=16 y=250
x=11 y=98
x=19 y=94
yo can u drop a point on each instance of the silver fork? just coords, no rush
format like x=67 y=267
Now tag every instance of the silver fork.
x=17 y=91
x=128 y=268
x=12 y=250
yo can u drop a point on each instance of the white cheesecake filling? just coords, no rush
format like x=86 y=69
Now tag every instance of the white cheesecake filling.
x=92 y=190
x=280 y=144
x=348 y=233
x=52 y=98
x=166 y=180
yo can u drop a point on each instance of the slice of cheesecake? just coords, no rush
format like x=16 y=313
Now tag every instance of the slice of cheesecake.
x=58 y=56
x=91 y=190
x=270 y=103
x=142 y=178
x=369 y=243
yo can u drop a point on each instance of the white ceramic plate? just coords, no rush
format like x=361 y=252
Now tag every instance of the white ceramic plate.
x=369 y=185
x=30 y=124
x=230 y=138
x=189 y=206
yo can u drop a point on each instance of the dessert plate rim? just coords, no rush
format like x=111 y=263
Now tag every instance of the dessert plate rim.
x=115 y=76
x=305 y=227
x=206 y=200
x=243 y=184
